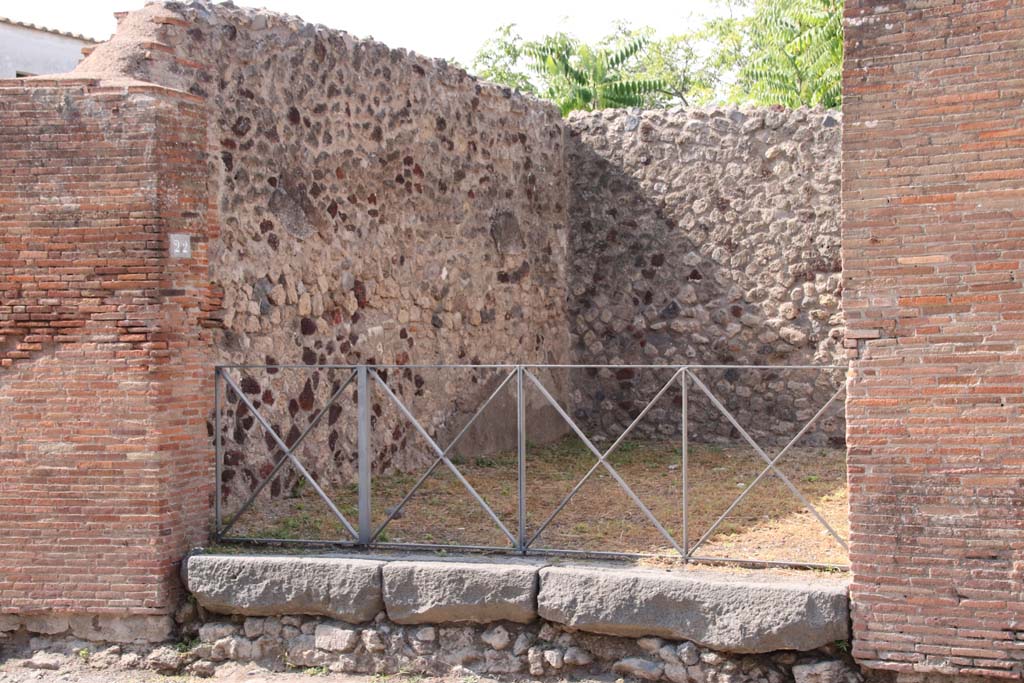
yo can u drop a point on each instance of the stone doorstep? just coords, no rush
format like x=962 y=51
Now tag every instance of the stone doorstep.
x=417 y=592
x=741 y=613
x=737 y=613
x=347 y=589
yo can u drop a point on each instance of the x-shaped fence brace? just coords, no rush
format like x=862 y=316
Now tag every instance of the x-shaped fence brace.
x=289 y=454
x=771 y=466
x=602 y=460
x=520 y=541
x=442 y=456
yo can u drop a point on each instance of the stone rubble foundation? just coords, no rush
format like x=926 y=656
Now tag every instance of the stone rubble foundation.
x=316 y=644
x=417 y=614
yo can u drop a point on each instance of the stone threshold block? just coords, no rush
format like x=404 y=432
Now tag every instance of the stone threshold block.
x=101 y=628
x=259 y=585
x=721 y=611
x=421 y=592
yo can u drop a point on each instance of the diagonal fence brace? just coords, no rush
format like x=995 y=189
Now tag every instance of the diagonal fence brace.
x=442 y=455
x=602 y=461
x=437 y=460
x=771 y=464
x=289 y=455
x=766 y=470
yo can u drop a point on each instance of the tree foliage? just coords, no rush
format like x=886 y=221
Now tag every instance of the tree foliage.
x=673 y=61
x=579 y=76
x=500 y=58
x=795 y=53
x=573 y=74
x=763 y=52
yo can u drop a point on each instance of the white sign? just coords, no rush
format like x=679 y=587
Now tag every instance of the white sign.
x=181 y=245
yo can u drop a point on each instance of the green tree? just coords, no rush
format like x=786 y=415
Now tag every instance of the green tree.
x=762 y=52
x=579 y=76
x=787 y=52
x=721 y=42
x=672 y=61
x=626 y=69
x=500 y=60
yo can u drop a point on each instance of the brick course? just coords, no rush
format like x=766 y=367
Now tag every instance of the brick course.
x=933 y=242
x=104 y=388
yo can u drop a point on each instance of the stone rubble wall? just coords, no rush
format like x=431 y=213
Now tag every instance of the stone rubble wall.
x=706 y=236
x=211 y=644
x=375 y=206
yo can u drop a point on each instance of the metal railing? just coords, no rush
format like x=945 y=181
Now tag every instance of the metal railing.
x=363 y=533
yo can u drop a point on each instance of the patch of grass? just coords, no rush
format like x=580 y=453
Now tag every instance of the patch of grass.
x=184 y=646
x=298 y=487
x=769 y=524
x=315 y=671
x=411 y=676
x=84 y=654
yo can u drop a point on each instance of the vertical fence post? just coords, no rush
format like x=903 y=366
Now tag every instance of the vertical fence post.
x=685 y=448
x=363 y=407
x=521 y=457
x=218 y=466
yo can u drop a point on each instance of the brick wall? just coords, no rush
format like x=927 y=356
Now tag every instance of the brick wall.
x=104 y=384
x=933 y=246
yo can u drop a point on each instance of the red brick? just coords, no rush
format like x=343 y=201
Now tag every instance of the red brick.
x=935 y=420
x=105 y=463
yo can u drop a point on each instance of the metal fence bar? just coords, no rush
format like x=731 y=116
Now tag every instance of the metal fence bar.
x=611 y=470
x=769 y=563
x=256 y=492
x=521 y=541
x=743 y=432
x=546 y=552
x=218 y=466
x=437 y=461
x=363 y=448
x=521 y=460
x=443 y=456
x=291 y=456
x=766 y=470
x=512 y=366
x=284 y=458
x=600 y=456
x=291 y=541
x=685 y=458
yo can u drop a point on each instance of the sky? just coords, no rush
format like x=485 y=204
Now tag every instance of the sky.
x=439 y=28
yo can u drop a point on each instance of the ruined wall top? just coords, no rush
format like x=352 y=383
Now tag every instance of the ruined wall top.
x=139 y=49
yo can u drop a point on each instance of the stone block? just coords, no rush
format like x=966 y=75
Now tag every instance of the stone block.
x=335 y=638
x=9 y=622
x=731 y=613
x=437 y=592
x=345 y=589
x=46 y=623
x=127 y=628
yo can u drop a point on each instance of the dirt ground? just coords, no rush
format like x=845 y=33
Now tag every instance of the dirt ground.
x=13 y=672
x=770 y=524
